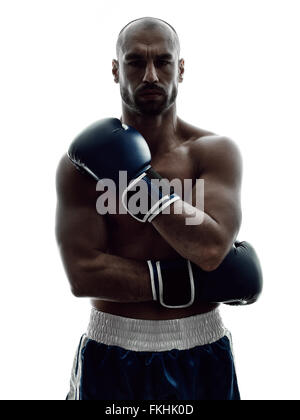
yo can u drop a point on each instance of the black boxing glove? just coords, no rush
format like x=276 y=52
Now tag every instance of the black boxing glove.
x=107 y=147
x=237 y=281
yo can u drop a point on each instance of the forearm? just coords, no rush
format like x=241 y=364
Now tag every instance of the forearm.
x=192 y=233
x=112 y=278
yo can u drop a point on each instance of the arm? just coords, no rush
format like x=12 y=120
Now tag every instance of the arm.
x=82 y=237
x=207 y=244
x=218 y=162
x=233 y=277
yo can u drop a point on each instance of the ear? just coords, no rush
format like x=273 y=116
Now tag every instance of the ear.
x=181 y=70
x=115 y=70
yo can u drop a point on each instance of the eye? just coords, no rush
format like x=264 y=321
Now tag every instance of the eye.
x=162 y=63
x=137 y=63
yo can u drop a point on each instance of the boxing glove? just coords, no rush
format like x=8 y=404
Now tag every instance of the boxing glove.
x=107 y=147
x=237 y=281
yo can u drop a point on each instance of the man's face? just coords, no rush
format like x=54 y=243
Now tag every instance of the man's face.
x=148 y=72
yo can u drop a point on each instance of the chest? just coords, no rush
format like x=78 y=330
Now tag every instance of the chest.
x=180 y=168
x=179 y=164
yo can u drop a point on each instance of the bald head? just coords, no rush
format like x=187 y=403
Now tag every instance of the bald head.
x=148 y=53
x=146 y=24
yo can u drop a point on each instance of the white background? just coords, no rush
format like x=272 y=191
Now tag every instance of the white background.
x=241 y=80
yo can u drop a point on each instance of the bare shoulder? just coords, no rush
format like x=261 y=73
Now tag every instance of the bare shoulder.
x=210 y=150
x=215 y=152
x=72 y=185
x=218 y=146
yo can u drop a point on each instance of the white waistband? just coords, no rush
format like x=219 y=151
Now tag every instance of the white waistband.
x=155 y=335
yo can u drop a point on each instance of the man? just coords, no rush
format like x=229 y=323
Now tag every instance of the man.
x=142 y=341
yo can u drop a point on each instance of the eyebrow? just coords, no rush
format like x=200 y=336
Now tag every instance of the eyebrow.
x=135 y=56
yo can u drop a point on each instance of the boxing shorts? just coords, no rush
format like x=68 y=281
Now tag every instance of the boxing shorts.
x=122 y=358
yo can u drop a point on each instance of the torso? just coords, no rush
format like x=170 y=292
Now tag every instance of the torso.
x=131 y=239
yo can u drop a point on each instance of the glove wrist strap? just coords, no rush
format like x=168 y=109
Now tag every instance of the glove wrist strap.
x=172 y=283
x=158 y=195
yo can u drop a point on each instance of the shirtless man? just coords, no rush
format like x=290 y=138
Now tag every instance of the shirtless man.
x=136 y=346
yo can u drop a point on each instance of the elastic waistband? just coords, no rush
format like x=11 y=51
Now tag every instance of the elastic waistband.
x=155 y=335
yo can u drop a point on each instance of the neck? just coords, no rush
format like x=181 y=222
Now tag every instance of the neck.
x=160 y=131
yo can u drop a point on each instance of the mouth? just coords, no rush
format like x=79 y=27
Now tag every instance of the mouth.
x=151 y=94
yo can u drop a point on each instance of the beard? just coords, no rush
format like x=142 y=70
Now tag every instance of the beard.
x=149 y=108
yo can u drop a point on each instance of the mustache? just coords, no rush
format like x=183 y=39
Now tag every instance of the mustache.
x=151 y=88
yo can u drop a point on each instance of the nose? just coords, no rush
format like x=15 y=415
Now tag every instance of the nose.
x=150 y=73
